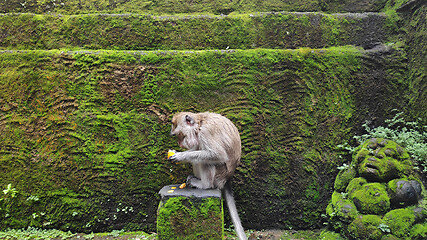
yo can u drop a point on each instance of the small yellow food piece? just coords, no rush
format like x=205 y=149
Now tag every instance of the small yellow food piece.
x=171 y=153
x=182 y=186
x=170 y=191
x=173 y=187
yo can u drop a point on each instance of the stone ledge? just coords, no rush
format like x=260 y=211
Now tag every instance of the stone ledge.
x=174 y=191
x=283 y=30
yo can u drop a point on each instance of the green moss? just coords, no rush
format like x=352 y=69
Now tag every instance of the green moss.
x=328 y=235
x=343 y=178
x=392 y=185
x=182 y=218
x=389 y=237
x=400 y=221
x=366 y=227
x=414 y=26
x=342 y=207
x=419 y=231
x=300 y=234
x=35 y=233
x=371 y=198
x=147 y=32
x=356 y=184
x=333 y=31
x=388 y=159
x=176 y=6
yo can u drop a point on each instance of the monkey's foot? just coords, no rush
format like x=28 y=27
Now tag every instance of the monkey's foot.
x=193 y=181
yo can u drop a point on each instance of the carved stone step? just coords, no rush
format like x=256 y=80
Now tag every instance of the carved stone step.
x=282 y=30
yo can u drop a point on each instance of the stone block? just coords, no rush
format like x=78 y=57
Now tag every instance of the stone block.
x=190 y=213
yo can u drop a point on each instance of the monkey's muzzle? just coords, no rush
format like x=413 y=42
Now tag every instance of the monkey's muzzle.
x=180 y=138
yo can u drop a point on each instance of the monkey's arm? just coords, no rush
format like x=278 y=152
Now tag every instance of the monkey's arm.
x=197 y=156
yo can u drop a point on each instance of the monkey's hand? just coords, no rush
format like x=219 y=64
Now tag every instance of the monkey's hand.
x=177 y=157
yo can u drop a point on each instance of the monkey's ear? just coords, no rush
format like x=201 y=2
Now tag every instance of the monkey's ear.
x=190 y=121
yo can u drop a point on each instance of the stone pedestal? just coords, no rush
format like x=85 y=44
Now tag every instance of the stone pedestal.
x=190 y=214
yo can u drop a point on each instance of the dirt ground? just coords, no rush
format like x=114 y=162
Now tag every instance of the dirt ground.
x=33 y=233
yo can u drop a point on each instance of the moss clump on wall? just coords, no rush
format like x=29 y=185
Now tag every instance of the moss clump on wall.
x=147 y=32
x=182 y=218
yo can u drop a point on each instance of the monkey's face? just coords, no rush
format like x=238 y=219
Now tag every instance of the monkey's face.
x=185 y=128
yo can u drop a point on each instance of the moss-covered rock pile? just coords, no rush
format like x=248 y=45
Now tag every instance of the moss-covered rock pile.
x=379 y=195
x=87 y=89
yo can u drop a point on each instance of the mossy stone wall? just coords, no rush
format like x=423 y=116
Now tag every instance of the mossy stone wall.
x=187 y=6
x=85 y=131
x=88 y=132
x=415 y=28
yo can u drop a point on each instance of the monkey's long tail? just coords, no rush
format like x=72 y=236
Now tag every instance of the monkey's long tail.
x=231 y=204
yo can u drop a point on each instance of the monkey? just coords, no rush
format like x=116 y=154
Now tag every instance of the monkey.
x=213 y=148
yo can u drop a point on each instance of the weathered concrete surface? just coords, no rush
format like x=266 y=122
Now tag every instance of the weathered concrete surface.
x=174 y=191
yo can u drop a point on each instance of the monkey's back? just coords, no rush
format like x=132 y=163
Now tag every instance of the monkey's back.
x=224 y=137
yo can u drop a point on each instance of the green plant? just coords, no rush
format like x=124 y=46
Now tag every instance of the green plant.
x=409 y=135
x=10 y=191
x=116 y=233
x=384 y=228
x=344 y=166
x=90 y=236
x=7 y=201
x=33 y=198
